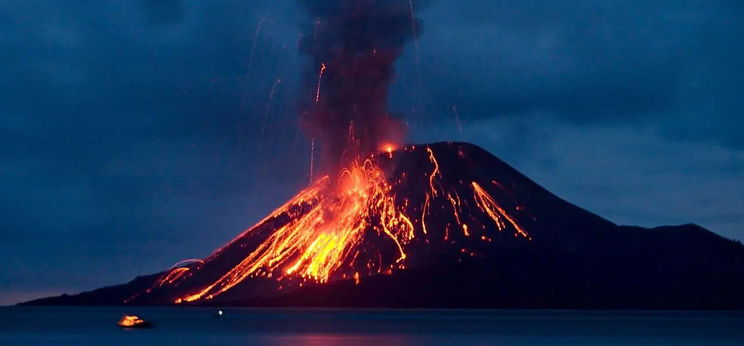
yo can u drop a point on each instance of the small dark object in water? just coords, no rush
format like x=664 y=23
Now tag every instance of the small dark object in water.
x=132 y=321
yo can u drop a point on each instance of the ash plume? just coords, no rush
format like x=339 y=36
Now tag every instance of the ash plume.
x=352 y=45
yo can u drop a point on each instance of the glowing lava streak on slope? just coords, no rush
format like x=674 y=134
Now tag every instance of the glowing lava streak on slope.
x=487 y=204
x=323 y=233
x=316 y=243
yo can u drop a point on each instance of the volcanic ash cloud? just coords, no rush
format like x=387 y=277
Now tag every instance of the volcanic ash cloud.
x=352 y=45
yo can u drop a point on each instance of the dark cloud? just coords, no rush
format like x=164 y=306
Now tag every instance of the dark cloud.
x=126 y=145
x=163 y=12
x=671 y=65
x=710 y=103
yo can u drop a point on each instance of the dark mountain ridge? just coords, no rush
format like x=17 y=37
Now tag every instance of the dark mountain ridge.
x=547 y=254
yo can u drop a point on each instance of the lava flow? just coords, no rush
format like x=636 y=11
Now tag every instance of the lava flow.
x=360 y=224
x=379 y=206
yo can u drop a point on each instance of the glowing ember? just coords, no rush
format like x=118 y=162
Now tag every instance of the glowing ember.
x=388 y=148
x=324 y=233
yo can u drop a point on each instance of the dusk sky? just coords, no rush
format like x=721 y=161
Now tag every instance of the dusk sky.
x=137 y=133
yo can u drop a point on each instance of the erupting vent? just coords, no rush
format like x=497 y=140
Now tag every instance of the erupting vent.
x=368 y=220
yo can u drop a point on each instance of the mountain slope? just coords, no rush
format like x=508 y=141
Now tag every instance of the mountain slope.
x=449 y=225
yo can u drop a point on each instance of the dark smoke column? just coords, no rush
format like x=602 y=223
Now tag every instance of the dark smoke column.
x=357 y=41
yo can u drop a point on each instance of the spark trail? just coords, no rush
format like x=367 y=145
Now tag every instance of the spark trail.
x=312 y=160
x=320 y=78
x=253 y=44
x=415 y=42
x=266 y=114
x=457 y=118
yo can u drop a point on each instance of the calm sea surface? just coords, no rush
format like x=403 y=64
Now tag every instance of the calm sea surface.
x=357 y=327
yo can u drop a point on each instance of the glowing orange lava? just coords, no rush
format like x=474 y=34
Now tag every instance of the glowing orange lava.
x=388 y=148
x=324 y=227
x=315 y=244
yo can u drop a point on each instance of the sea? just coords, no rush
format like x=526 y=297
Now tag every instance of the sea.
x=82 y=326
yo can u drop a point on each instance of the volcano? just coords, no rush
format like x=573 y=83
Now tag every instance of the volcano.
x=444 y=225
